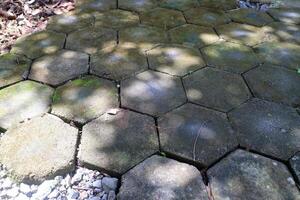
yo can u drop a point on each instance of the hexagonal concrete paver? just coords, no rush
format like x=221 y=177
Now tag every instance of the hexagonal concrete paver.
x=282 y=54
x=116 y=19
x=118 y=142
x=196 y=133
x=216 y=89
x=13 y=68
x=295 y=164
x=275 y=84
x=83 y=99
x=282 y=32
x=41 y=148
x=163 y=18
x=95 y=5
x=153 y=93
x=242 y=33
x=219 y=4
x=142 y=37
x=91 y=40
x=175 y=59
x=287 y=15
x=244 y=175
x=179 y=4
x=267 y=127
x=39 y=44
x=206 y=16
x=230 y=57
x=118 y=63
x=137 y=5
x=57 y=68
x=250 y=16
x=23 y=100
x=67 y=23
x=162 y=178
x=193 y=35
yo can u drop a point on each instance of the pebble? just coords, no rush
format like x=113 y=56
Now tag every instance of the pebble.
x=109 y=183
x=24 y=188
x=97 y=184
x=12 y=192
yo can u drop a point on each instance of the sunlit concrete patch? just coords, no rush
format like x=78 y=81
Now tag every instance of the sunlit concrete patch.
x=118 y=63
x=95 y=5
x=219 y=4
x=287 y=15
x=230 y=57
x=193 y=35
x=282 y=32
x=280 y=53
x=275 y=84
x=142 y=37
x=216 y=89
x=153 y=93
x=22 y=101
x=250 y=16
x=242 y=33
x=91 y=40
x=39 y=44
x=269 y=128
x=295 y=164
x=118 y=142
x=206 y=16
x=244 y=175
x=179 y=4
x=162 y=178
x=137 y=5
x=196 y=133
x=59 y=67
x=40 y=148
x=83 y=99
x=69 y=22
x=163 y=18
x=13 y=68
x=175 y=59
x=116 y=19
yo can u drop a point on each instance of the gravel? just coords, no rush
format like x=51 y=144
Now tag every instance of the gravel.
x=257 y=6
x=85 y=184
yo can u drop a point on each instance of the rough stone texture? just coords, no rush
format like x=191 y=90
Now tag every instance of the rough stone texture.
x=242 y=33
x=116 y=19
x=287 y=15
x=196 y=133
x=153 y=93
x=193 y=35
x=13 y=68
x=91 y=40
x=22 y=101
x=243 y=175
x=230 y=57
x=39 y=149
x=142 y=37
x=206 y=17
x=163 y=18
x=118 y=142
x=39 y=44
x=59 y=67
x=84 y=99
x=250 y=16
x=267 y=127
x=118 y=63
x=137 y=5
x=295 y=164
x=282 y=32
x=216 y=89
x=219 y=4
x=162 y=178
x=275 y=84
x=175 y=59
x=67 y=23
x=179 y=4
x=282 y=54
x=95 y=5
